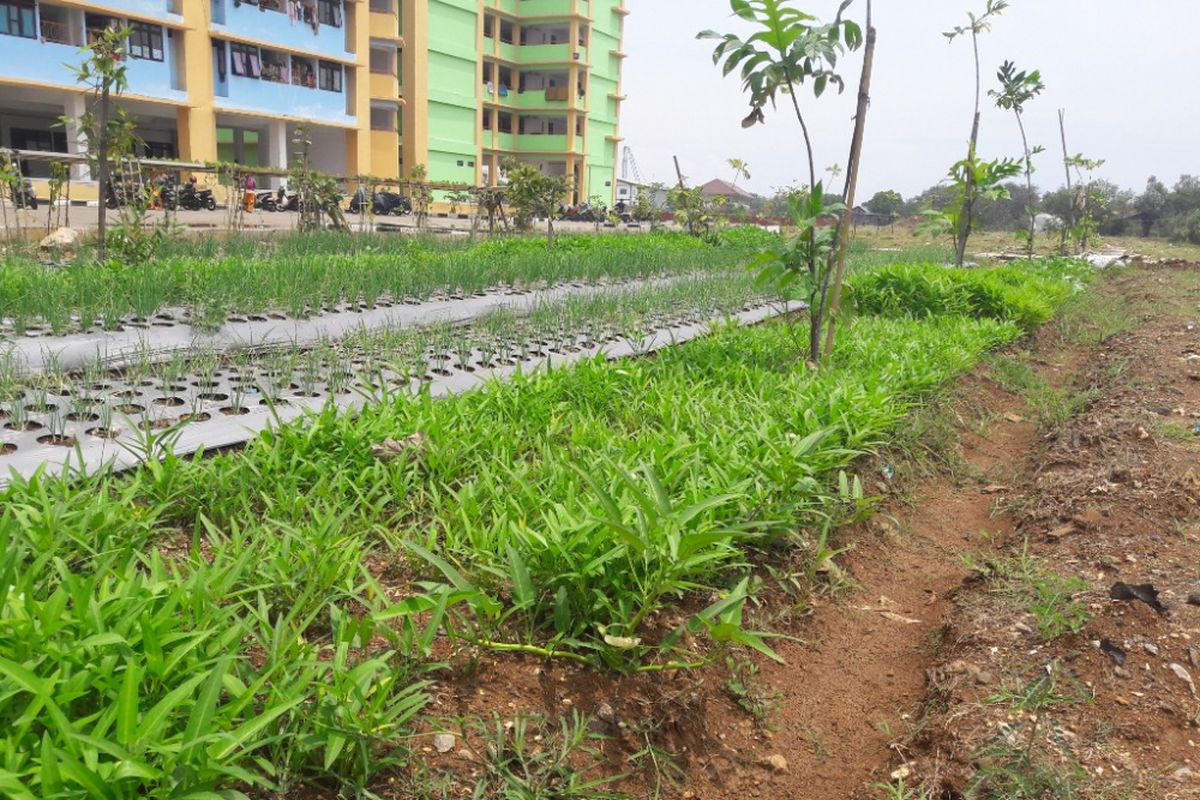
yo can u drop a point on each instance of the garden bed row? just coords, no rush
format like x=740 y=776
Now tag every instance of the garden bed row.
x=87 y=422
x=170 y=333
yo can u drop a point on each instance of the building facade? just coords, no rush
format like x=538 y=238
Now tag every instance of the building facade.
x=383 y=85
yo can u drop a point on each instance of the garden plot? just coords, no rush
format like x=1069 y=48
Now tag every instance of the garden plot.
x=171 y=332
x=97 y=416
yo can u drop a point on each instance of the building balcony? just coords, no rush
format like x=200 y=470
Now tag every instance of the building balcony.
x=259 y=96
x=384 y=86
x=385 y=154
x=384 y=25
x=558 y=99
x=45 y=62
x=268 y=22
x=544 y=8
x=551 y=54
x=543 y=142
x=143 y=9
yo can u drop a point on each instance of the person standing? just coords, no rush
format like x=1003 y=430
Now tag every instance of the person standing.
x=249 y=193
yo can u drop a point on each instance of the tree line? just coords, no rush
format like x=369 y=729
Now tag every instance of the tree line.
x=1168 y=212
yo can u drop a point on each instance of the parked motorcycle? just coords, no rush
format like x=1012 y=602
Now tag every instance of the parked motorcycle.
x=289 y=202
x=391 y=203
x=193 y=199
x=382 y=203
x=24 y=196
x=584 y=212
x=264 y=200
x=121 y=193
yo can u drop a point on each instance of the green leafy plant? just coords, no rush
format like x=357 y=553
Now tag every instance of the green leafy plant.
x=1016 y=90
x=788 y=49
x=532 y=194
x=967 y=172
x=106 y=127
x=698 y=214
x=420 y=193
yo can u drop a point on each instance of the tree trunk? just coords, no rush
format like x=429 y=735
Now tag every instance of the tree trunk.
x=1028 y=187
x=968 y=204
x=852 y=167
x=1062 y=130
x=103 y=168
x=549 y=231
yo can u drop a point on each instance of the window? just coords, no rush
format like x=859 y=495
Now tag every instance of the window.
x=245 y=60
x=330 y=76
x=329 y=12
x=16 y=18
x=487 y=119
x=489 y=26
x=145 y=41
x=504 y=124
x=506 y=31
x=46 y=141
x=381 y=6
x=159 y=150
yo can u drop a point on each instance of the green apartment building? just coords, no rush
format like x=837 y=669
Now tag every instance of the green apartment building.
x=538 y=80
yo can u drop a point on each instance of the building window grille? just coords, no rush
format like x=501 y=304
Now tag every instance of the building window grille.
x=17 y=18
x=145 y=41
x=245 y=60
x=330 y=76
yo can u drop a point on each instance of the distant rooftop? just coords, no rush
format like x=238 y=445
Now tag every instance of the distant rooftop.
x=719 y=188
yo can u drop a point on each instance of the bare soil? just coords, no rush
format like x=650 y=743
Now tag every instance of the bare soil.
x=904 y=666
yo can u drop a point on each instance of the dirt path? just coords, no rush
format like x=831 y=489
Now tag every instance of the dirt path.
x=849 y=693
x=1074 y=467
x=956 y=651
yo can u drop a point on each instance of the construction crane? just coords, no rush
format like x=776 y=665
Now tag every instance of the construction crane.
x=629 y=166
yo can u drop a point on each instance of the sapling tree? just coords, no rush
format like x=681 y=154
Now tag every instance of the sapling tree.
x=419 y=193
x=699 y=215
x=788 y=50
x=1087 y=201
x=645 y=205
x=532 y=194
x=1017 y=89
x=105 y=127
x=969 y=168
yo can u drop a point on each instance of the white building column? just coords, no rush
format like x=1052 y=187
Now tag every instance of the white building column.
x=277 y=148
x=77 y=144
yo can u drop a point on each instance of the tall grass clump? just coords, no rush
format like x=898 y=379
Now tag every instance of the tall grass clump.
x=1027 y=295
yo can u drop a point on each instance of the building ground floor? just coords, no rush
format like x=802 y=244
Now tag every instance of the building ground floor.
x=47 y=120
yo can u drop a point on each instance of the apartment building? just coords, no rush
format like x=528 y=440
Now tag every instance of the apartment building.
x=457 y=85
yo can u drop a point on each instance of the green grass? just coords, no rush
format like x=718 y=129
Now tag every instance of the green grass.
x=300 y=280
x=1028 y=295
x=267 y=618
x=1052 y=406
x=1030 y=585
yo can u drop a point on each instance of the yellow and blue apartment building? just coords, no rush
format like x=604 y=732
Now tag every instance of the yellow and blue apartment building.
x=382 y=85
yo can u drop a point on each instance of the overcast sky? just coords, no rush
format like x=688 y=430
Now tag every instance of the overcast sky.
x=1125 y=72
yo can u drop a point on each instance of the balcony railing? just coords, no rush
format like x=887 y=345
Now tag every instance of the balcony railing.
x=57 y=32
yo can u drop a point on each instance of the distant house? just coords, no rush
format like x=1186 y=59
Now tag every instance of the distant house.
x=628 y=192
x=861 y=215
x=732 y=194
